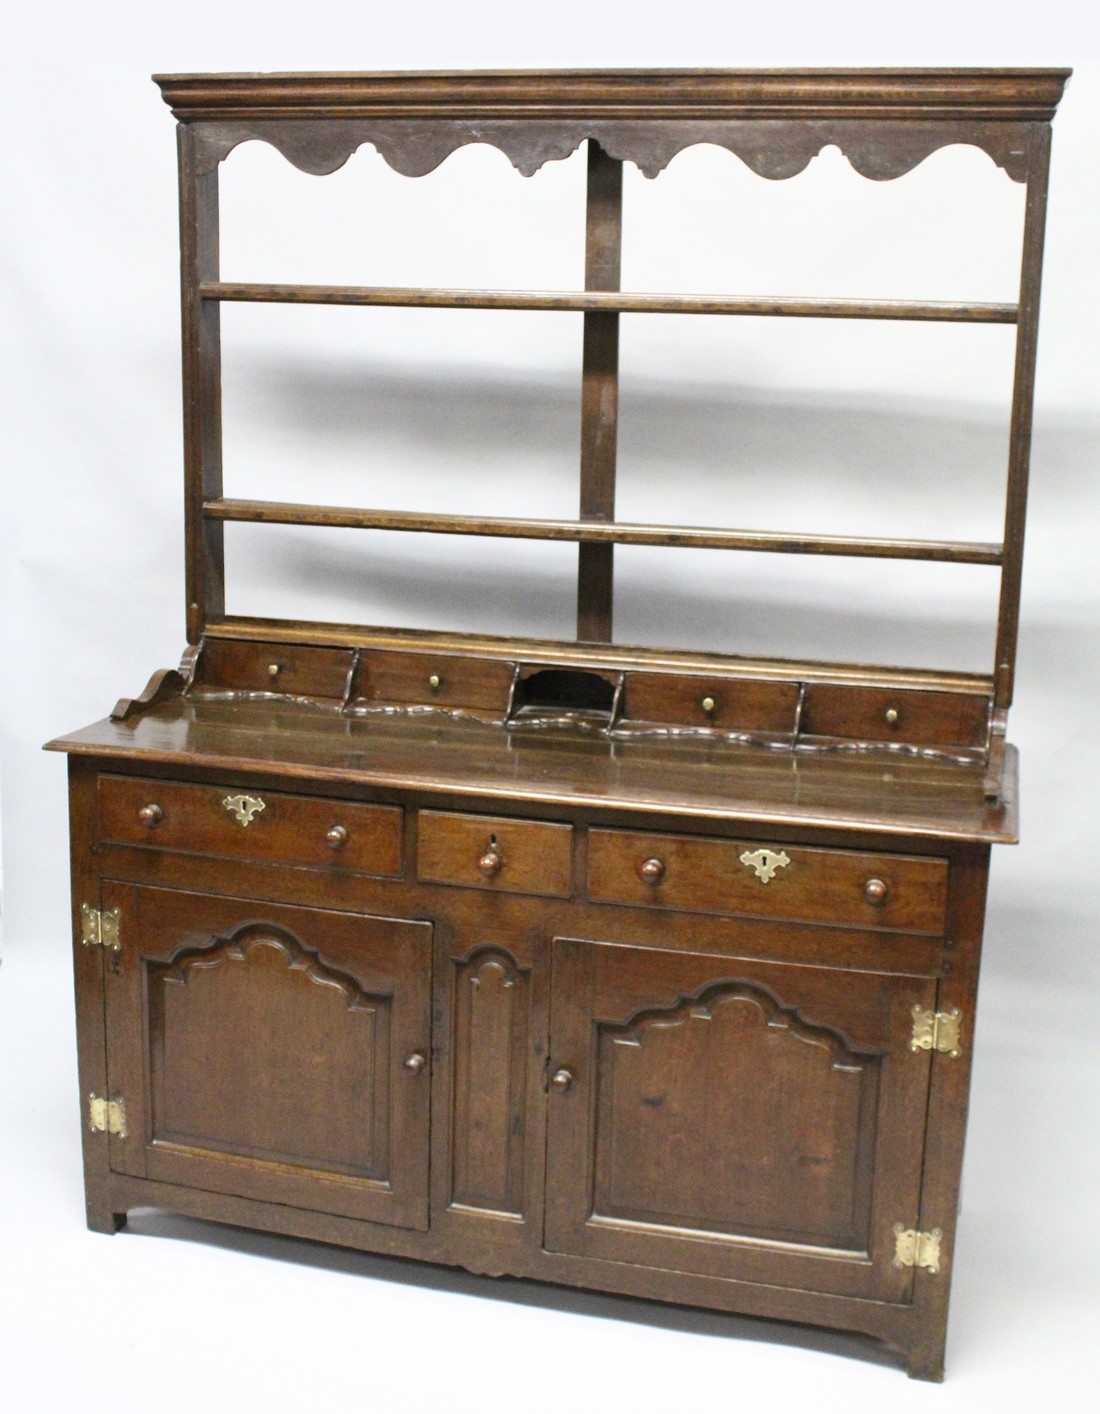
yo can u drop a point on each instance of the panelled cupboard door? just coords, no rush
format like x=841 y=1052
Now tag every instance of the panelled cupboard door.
x=272 y=1052
x=763 y=1122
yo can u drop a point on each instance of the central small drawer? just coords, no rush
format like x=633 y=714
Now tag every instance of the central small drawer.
x=773 y=880
x=247 y=824
x=495 y=852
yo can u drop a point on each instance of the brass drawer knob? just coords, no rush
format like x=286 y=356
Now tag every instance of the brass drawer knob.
x=337 y=837
x=435 y=682
x=150 y=815
x=490 y=863
x=891 y=716
x=708 y=705
x=651 y=871
x=876 y=891
x=274 y=669
x=416 y=1062
x=562 y=1079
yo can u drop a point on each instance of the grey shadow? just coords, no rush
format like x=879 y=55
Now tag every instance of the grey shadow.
x=148 y=1222
x=735 y=438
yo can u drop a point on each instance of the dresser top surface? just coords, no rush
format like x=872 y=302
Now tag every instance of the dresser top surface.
x=442 y=754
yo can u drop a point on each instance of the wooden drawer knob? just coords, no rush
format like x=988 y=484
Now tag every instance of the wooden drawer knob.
x=150 y=815
x=337 y=837
x=876 y=891
x=651 y=871
x=490 y=863
x=562 y=1079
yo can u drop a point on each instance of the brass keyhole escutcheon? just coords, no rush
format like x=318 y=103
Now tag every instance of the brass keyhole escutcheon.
x=765 y=862
x=244 y=808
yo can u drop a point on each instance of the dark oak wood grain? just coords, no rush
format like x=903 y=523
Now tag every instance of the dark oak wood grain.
x=261 y=1023
x=722 y=703
x=698 y=779
x=659 y=1157
x=492 y=852
x=611 y=301
x=711 y=876
x=606 y=533
x=287 y=829
x=640 y=970
x=297 y=671
x=599 y=395
x=438 y=679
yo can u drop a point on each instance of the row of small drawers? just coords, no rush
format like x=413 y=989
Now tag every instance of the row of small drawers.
x=687 y=872
x=843 y=711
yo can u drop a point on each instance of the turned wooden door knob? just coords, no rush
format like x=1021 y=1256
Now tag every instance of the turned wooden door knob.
x=490 y=863
x=651 y=871
x=876 y=891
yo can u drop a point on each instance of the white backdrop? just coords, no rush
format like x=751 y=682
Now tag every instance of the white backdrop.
x=820 y=426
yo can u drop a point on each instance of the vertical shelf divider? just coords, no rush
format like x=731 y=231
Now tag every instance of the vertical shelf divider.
x=599 y=393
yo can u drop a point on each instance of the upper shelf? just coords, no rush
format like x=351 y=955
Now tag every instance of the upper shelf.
x=886 y=121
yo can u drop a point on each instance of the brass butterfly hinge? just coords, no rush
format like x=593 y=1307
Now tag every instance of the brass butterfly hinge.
x=764 y=863
x=99 y=928
x=106 y=1116
x=917 y=1249
x=936 y=1031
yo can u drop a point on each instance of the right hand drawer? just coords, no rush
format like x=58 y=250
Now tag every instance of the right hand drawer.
x=700 y=875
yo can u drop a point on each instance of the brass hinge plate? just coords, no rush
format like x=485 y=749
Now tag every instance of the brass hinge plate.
x=99 y=928
x=917 y=1249
x=936 y=1031
x=106 y=1116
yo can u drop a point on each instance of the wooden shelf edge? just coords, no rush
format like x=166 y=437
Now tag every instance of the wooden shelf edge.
x=601 y=532
x=627 y=302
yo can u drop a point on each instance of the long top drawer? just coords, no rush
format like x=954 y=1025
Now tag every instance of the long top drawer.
x=262 y=825
x=771 y=880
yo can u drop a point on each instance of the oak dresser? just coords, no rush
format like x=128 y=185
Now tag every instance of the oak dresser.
x=648 y=972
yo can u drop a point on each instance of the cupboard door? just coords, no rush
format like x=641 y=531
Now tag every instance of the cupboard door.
x=757 y=1121
x=272 y=1052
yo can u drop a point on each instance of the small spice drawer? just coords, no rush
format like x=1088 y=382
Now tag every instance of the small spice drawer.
x=727 y=704
x=261 y=825
x=436 y=679
x=490 y=852
x=919 y=717
x=775 y=881
x=297 y=670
